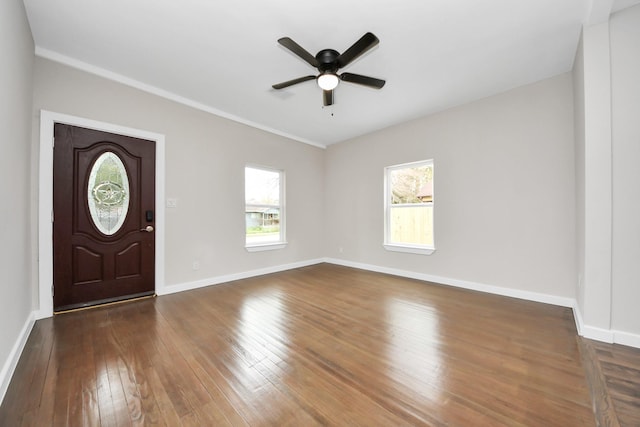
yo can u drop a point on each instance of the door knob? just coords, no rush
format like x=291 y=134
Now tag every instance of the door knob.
x=148 y=229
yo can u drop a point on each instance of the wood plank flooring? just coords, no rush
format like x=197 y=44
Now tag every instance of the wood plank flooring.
x=320 y=345
x=613 y=372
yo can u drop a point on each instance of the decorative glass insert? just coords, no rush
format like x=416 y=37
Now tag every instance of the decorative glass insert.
x=108 y=193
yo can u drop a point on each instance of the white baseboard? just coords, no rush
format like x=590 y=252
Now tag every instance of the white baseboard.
x=577 y=317
x=591 y=332
x=482 y=287
x=14 y=356
x=180 y=287
x=611 y=336
x=626 y=338
x=598 y=334
x=41 y=314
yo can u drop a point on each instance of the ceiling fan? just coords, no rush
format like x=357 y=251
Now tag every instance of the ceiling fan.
x=328 y=62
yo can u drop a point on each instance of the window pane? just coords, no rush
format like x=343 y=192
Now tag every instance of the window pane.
x=263 y=225
x=411 y=225
x=411 y=185
x=261 y=187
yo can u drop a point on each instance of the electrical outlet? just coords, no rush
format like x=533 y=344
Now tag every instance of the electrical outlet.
x=172 y=203
x=195 y=265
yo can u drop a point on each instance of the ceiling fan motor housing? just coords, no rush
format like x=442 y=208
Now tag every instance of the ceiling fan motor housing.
x=327 y=60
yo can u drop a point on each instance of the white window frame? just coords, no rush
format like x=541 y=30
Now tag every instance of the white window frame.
x=281 y=242
x=405 y=247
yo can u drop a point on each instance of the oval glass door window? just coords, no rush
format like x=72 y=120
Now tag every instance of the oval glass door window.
x=108 y=193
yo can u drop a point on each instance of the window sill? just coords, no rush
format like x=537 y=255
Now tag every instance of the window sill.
x=420 y=250
x=266 y=247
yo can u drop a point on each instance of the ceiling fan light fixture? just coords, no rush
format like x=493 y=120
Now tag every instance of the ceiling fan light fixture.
x=328 y=81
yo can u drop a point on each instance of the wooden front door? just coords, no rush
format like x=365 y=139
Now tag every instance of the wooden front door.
x=103 y=217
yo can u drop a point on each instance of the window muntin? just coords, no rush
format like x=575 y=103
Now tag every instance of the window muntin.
x=264 y=206
x=409 y=207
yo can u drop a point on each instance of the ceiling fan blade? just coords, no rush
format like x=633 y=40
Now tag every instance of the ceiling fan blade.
x=365 y=43
x=299 y=50
x=362 y=80
x=327 y=97
x=293 y=82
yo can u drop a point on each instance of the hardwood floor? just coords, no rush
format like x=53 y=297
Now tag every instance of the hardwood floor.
x=621 y=369
x=613 y=373
x=320 y=345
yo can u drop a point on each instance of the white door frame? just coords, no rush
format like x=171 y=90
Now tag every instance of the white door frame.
x=45 y=200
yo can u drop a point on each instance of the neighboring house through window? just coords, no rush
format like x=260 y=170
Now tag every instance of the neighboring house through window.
x=409 y=208
x=264 y=208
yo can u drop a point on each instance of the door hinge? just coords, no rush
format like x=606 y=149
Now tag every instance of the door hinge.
x=52 y=216
x=53 y=142
x=53 y=290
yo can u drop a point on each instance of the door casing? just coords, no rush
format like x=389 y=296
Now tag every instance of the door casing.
x=45 y=200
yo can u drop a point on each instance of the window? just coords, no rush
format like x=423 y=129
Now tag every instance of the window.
x=409 y=208
x=264 y=208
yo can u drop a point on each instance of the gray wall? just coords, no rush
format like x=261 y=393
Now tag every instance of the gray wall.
x=504 y=191
x=205 y=159
x=625 y=91
x=16 y=79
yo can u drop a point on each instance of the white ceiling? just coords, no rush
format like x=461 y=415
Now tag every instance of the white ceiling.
x=223 y=56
